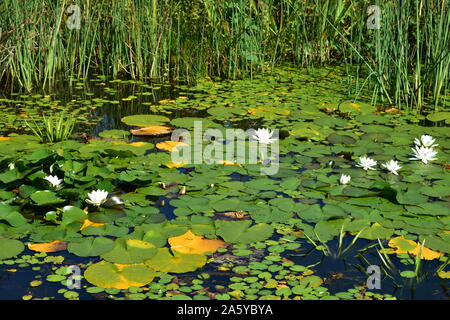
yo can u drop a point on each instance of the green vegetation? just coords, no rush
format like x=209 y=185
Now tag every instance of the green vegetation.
x=224 y=231
x=405 y=62
x=53 y=128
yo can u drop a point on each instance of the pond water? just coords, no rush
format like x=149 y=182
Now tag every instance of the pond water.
x=301 y=235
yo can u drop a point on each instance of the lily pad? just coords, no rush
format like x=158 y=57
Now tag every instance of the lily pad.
x=91 y=246
x=10 y=248
x=46 y=197
x=130 y=251
x=108 y=275
x=177 y=262
x=241 y=232
x=144 y=120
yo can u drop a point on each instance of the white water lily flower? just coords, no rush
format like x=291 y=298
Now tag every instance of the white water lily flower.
x=264 y=136
x=344 y=179
x=425 y=141
x=392 y=166
x=366 y=163
x=54 y=181
x=97 y=197
x=423 y=154
x=11 y=166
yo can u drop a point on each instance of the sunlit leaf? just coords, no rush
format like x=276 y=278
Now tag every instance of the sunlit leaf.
x=53 y=246
x=170 y=145
x=177 y=262
x=152 y=131
x=191 y=243
x=119 y=276
x=403 y=245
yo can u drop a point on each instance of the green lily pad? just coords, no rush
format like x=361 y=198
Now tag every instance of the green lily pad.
x=114 y=134
x=91 y=246
x=108 y=275
x=11 y=215
x=188 y=122
x=130 y=251
x=241 y=232
x=144 y=120
x=176 y=262
x=46 y=197
x=439 y=116
x=10 y=248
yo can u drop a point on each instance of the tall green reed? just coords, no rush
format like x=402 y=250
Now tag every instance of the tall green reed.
x=405 y=62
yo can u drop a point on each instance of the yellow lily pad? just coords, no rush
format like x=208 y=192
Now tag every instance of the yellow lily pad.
x=119 y=276
x=52 y=246
x=151 y=131
x=177 y=262
x=402 y=245
x=170 y=145
x=193 y=244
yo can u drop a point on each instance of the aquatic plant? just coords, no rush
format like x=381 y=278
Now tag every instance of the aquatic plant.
x=264 y=135
x=42 y=42
x=424 y=154
x=54 y=181
x=392 y=166
x=97 y=197
x=366 y=163
x=53 y=128
x=344 y=179
x=425 y=141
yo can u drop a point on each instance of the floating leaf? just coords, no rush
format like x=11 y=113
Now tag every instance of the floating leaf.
x=403 y=245
x=45 y=198
x=439 y=116
x=444 y=274
x=10 y=248
x=90 y=246
x=170 y=145
x=53 y=246
x=191 y=243
x=376 y=231
x=152 y=131
x=144 y=120
x=89 y=223
x=172 y=164
x=189 y=122
x=269 y=112
x=362 y=108
x=119 y=276
x=179 y=262
x=114 y=134
x=240 y=231
x=130 y=251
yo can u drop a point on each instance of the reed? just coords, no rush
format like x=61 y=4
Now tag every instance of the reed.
x=54 y=128
x=406 y=62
